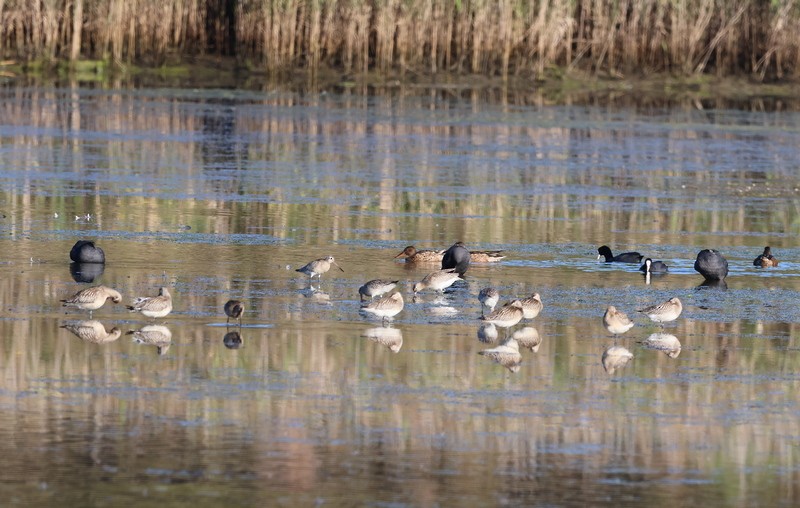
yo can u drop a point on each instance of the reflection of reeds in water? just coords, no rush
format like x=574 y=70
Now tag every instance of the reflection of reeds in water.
x=510 y=37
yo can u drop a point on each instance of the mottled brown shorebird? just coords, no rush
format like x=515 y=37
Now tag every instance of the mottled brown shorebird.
x=385 y=307
x=412 y=255
x=664 y=312
x=153 y=306
x=92 y=298
x=318 y=267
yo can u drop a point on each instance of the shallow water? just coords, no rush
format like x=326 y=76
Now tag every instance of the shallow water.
x=222 y=194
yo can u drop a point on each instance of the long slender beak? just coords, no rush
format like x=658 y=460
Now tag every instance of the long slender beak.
x=599 y=256
x=402 y=254
x=337 y=266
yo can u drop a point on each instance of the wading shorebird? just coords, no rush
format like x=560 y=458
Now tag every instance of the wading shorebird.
x=531 y=306
x=318 y=267
x=664 y=312
x=153 y=306
x=616 y=322
x=412 y=255
x=234 y=309
x=385 y=307
x=377 y=287
x=766 y=260
x=438 y=281
x=488 y=298
x=506 y=316
x=625 y=257
x=92 y=298
x=93 y=331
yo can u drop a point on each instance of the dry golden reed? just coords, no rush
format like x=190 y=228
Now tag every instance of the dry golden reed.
x=490 y=37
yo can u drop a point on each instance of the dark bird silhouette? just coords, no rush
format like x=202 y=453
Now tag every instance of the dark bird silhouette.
x=456 y=257
x=711 y=264
x=85 y=251
x=625 y=257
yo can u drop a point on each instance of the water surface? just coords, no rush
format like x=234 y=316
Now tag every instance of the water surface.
x=222 y=194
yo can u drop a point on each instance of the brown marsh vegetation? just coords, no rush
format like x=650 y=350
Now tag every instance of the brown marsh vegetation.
x=396 y=37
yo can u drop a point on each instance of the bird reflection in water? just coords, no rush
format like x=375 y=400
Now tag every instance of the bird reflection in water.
x=316 y=295
x=93 y=331
x=487 y=333
x=665 y=342
x=615 y=357
x=153 y=335
x=392 y=338
x=506 y=354
x=528 y=337
x=232 y=340
x=86 y=272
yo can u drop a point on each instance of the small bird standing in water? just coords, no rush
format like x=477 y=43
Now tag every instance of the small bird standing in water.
x=488 y=298
x=153 y=306
x=234 y=309
x=385 y=307
x=318 y=267
x=92 y=298
x=531 y=306
x=616 y=322
x=438 y=281
x=506 y=316
x=664 y=312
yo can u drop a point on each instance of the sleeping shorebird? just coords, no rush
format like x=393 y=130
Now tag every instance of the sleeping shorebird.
x=153 y=306
x=438 y=281
x=506 y=316
x=616 y=322
x=318 y=267
x=92 y=298
x=664 y=312
x=485 y=256
x=385 y=307
x=234 y=309
x=531 y=306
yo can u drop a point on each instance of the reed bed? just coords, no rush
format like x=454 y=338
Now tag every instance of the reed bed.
x=390 y=37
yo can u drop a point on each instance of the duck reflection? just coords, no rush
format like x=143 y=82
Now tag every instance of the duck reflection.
x=86 y=272
x=153 y=335
x=665 y=342
x=392 y=338
x=487 y=333
x=232 y=340
x=615 y=357
x=506 y=354
x=93 y=331
x=528 y=337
